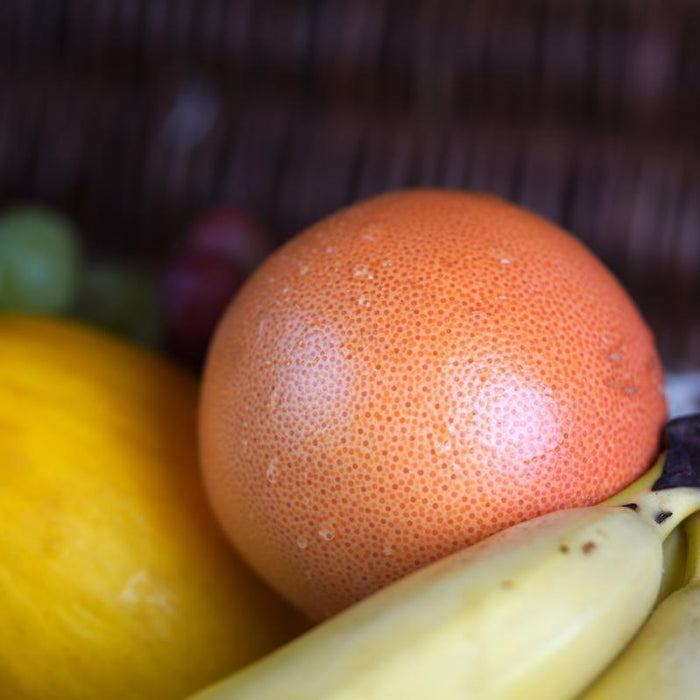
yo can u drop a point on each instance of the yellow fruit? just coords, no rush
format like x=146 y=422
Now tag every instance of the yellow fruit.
x=115 y=581
x=675 y=547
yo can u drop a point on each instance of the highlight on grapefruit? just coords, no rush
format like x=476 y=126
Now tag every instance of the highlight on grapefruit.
x=411 y=374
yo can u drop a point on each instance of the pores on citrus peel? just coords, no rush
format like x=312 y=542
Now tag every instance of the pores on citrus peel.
x=410 y=375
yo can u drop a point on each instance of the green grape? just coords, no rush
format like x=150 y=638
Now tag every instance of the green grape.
x=121 y=299
x=39 y=261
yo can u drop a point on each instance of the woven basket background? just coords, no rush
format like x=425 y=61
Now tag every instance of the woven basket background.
x=133 y=115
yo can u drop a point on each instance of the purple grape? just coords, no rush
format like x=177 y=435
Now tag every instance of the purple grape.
x=195 y=291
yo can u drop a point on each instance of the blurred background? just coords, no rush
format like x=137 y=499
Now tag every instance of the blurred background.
x=134 y=118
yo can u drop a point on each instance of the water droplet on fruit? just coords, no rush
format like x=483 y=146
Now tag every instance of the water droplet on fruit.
x=387 y=551
x=364 y=301
x=444 y=446
x=370 y=231
x=302 y=542
x=387 y=263
x=274 y=401
x=615 y=357
x=326 y=532
x=261 y=329
x=271 y=473
x=503 y=257
x=303 y=267
x=363 y=272
x=630 y=390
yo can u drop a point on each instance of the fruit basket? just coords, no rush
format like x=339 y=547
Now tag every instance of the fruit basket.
x=133 y=117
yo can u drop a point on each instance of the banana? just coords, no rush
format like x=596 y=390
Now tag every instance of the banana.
x=675 y=545
x=663 y=660
x=675 y=552
x=535 y=611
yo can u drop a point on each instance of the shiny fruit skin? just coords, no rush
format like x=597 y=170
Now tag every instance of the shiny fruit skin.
x=116 y=581
x=410 y=375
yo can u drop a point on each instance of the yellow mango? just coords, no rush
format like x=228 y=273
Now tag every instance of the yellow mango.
x=115 y=581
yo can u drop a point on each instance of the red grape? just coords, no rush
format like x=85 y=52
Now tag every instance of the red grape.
x=220 y=250
x=233 y=233
x=195 y=291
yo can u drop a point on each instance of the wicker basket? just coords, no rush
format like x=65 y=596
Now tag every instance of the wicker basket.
x=133 y=115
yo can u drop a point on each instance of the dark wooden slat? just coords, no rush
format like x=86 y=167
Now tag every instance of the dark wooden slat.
x=133 y=115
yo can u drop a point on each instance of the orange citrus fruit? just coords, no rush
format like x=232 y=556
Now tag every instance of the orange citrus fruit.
x=410 y=375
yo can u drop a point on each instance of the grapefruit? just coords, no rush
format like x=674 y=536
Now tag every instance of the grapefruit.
x=410 y=375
